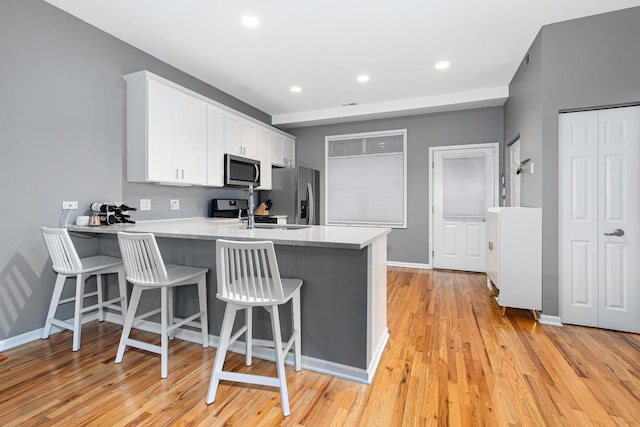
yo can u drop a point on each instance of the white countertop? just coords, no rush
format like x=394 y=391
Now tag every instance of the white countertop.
x=217 y=228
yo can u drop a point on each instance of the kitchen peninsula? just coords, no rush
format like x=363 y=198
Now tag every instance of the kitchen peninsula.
x=344 y=326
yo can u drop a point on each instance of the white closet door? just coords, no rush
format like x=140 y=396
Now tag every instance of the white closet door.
x=600 y=215
x=579 y=210
x=619 y=209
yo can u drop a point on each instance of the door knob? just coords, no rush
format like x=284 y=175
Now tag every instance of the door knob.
x=617 y=232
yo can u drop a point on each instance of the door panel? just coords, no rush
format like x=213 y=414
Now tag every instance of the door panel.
x=465 y=185
x=579 y=208
x=619 y=209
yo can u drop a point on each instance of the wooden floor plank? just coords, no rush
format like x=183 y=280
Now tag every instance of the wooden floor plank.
x=452 y=359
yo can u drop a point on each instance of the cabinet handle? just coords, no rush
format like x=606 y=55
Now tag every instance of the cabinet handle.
x=182 y=174
x=176 y=174
x=490 y=246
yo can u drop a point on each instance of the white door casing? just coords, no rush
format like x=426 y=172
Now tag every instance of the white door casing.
x=599 y=176
x=515 y=178
x=464 y=184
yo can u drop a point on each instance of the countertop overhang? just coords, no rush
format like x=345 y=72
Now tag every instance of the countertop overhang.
x=213 y=229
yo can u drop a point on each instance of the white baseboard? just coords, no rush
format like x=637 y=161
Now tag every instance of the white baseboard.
x=308 y=363
x=545 y=319
x=375 y=361
x=35 y=335
x=409 y=265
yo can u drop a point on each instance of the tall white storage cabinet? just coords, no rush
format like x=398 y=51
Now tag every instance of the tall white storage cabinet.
x=514 y=258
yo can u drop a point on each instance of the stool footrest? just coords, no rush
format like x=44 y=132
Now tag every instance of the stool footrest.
x=61 y=324
x=143 y=345
x=249 y=378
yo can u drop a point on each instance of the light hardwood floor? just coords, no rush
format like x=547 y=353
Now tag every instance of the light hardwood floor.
x=451 y=360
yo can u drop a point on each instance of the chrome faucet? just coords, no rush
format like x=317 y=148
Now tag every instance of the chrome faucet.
x=250 y=219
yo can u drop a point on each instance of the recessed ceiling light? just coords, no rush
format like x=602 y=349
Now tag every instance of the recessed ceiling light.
x=363 y=78
x=250 y=21
x=295 y=89
x=443 y=65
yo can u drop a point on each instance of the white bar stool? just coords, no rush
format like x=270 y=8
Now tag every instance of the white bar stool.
x=146 y=270
x=67 y=263
x=248 y=276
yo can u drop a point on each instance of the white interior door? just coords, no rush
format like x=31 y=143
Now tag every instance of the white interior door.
x=465 y=185
x=514 y=177
x=600 y=215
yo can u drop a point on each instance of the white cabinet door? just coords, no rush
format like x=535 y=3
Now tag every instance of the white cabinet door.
x=249 y=139
x=232 y=134
x=176 y=136
x=275 y=144
x=264 y=155
x=190 y=140
x=600 y=218
x=215 y=146
x=159 y=133
x=289 y=151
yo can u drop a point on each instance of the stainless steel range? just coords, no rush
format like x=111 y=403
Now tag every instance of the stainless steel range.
x=237 y=208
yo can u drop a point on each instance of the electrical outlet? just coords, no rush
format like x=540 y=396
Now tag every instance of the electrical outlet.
x=145 y=204
x=175 y=204
x=66 y=205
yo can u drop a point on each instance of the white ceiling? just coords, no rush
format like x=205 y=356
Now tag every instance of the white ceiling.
x=323 y=45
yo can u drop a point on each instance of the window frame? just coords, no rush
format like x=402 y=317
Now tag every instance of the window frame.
x=374 y=134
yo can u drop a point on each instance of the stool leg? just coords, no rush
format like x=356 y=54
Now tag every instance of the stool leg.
x=225 y=335
x=297 y=353
x=122 y=285
x=165 y=318
x=204 y=322
x=55 y=299
x=277 y=341
x=100 y=299
x=248 y=335
x=128 y=321
x=169 y=293
x=77 y=315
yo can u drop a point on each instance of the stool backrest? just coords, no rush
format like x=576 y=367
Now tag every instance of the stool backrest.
x=63 y=254
x=141 y=257
x=248 y=272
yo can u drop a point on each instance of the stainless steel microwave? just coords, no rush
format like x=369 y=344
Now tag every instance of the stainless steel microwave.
x=240 y=171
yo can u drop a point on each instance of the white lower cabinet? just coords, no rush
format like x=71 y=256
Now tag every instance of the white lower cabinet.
x=514 y=256
x=166 y=134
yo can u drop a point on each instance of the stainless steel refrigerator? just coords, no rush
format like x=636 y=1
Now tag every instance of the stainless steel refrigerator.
x=295 y=193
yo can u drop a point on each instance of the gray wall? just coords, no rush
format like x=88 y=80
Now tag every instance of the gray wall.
x=62 y=137
x=585 y=63
x=424 y=131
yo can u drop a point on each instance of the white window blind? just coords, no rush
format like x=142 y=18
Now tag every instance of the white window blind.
x=366 y=179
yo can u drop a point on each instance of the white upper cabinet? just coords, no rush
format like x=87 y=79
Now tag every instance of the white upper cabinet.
x=178 y=137
x=282 y=150
x=275 y=148
x=264 y=155
x=239 y=136
x=289 y=151
x=166 y=134
x=215 y=146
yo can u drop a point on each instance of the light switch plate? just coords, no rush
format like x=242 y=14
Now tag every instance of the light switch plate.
x=175 y=204
x=145 y=204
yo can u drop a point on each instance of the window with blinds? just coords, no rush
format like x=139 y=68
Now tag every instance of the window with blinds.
x=366 y=179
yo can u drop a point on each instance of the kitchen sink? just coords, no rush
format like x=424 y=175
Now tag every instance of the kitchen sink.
x=280 y=226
